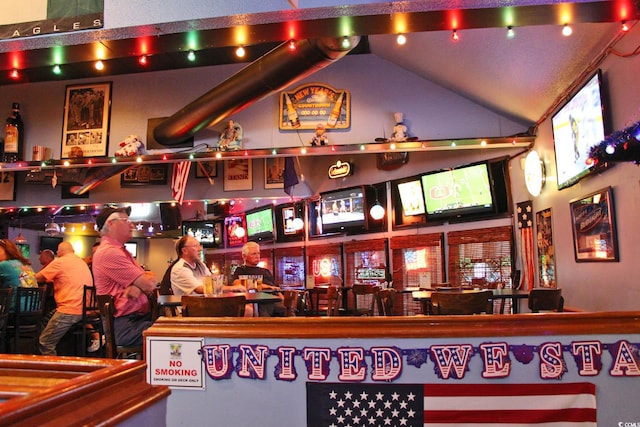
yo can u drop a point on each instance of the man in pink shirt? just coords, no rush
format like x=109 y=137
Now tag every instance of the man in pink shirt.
x=117 y=273
x=69 y=273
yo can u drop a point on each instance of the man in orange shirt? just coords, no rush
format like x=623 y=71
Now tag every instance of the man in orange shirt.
x=69 y=273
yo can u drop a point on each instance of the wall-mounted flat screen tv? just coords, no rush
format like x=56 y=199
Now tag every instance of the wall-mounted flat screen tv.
x=132 y=248
x=50 y=242
x=411 y=197
x=343 y=210
x=458 y=192
x=260 y=224
x=208 y=233
x=578 y=126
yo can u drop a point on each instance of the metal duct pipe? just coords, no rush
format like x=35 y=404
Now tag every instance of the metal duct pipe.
x=270 y=73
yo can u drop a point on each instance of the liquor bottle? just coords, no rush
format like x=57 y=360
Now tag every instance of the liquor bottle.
x=335 y=111
x=14 y=137
x=291 y=112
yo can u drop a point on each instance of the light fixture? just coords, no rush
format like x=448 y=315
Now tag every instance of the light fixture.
x=15 y=74
x=346 y=44
x=401 y=39
x=298 y=224
x=20 y=239
x=99 y=65
x=240 y=52
x=454 y=36
x=51 y=228
x=624 y=27
x=510 y=32
x=142 y=60
x=57 y=70
x=534 y=173
x=377 y=210
x=191 y=56
x=567 y=30
x=239 y=232
x=292 y=45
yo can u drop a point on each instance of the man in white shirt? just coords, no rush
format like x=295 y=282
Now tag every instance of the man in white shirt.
x=188 y=271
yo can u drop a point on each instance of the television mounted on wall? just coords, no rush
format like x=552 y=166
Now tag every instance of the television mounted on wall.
x=260 y=224
x=207 y=233
x=578 y=126
x=343 y=210
x=408 y=201
x=460 y=192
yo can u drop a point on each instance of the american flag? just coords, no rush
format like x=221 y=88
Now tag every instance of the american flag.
x=179 y=178
x=446 y=405
x=290 y=176
x=525 y=225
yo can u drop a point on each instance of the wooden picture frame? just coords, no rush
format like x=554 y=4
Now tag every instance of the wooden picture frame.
x=594 y=227
x=85 y=128
x=546 y=249
x=238 y=175
x=144 y=175
x=7 y=186
x=207 y=169
x=274 y=172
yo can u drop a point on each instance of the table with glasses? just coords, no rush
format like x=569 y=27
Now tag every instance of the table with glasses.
x=515 y=295
x=252 y=298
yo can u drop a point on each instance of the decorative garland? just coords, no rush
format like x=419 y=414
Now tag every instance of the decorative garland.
x=620 y=146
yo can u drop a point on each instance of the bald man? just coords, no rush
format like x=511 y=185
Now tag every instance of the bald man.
x=69 y=273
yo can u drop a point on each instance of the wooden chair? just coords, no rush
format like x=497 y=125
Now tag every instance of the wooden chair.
x=316 y=300
x=292 y=300
x=334 y=296
x=462 y=302
x=364 y=296
x=230 y=306
x=91 y=317
x=386 y=299
x=113 y=351
x=5 y=304
x=25 y=322
x=543 y=299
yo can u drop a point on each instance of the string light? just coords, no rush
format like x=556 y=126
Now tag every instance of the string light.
x=510 y=32
x=346 y=44
x=567 y=30
x=57 y=70
x=240 y=52
x=454 y=36
x=15 y=74
x=99 y=65
x=401 y=39
x=292 y=45
x=191 y=56
x=624 y=27
x=142 y=60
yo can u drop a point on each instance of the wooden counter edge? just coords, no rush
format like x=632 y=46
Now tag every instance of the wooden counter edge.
x=581 y=323
x=110 y=392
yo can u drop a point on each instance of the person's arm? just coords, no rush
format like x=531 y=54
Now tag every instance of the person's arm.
x=146 y=283
x=184 y=280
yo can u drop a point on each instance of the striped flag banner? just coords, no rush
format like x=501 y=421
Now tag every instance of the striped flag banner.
x=446 y=405
x=179 y=178
x=525 y=225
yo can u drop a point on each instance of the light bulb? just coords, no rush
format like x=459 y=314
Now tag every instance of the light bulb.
x=240 y=52
x=401 y=39
x=454 y=36
x=625 y=27
x=567 y=30
x=239 y=232
x=510 y=32
x=298 y=224
x=191 y=56
x=57 y=70
x=377 y=211
x=99 y=65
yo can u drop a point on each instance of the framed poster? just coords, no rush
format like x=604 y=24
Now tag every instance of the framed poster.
x=594 y=227
x=312 y=104
x=238 y=175
x=85 y=128
x=7 y=185
x=144 y=175
x=274 y=172
x=546 y=251
x=207 y=169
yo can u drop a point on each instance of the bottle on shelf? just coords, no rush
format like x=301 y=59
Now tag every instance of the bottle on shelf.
x=13 y=137
x=335 y=111
x=291 y=112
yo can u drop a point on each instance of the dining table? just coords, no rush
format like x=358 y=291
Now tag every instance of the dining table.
x=424 y=295
x=252 y=298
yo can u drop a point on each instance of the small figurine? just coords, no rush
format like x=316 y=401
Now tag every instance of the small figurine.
x=320 y=138
x=400 y=129
x=131 y=146
x=231 y=137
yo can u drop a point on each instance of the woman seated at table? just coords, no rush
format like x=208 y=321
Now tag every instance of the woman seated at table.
x=250 y=268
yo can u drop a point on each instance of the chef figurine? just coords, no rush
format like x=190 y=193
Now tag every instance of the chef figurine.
x=320 y=138
x=399 y=130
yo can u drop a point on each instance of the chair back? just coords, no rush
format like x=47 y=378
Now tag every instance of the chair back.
x=107 y=311
x=386 y=299
x=5 y=304
x=315 y=298
x=462 y=302
x=543 y=299
x=225 y=306
x=30 y=301
x=90 y=316
x=165 y=285
x=364 y=299
x=292 y=300
x=334 y=295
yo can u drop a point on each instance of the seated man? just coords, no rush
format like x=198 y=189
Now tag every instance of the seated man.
x=117 y=273
x=69 y=274
x=188 y=271
x=251 y=257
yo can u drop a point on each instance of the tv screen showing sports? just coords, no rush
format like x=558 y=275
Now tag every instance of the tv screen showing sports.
x=452 y=193
x=343 y=209
x=578 y=126
x=260 y=223
x=411 y=198
x=205 y=232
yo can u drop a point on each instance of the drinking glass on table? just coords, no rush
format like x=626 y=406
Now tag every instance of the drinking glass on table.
x=207 y=284
x=217 y=285
x=259 y=283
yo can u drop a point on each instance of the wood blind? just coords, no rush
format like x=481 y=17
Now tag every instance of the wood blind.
x=433 y=253
x=351 y=248
x=480 y=255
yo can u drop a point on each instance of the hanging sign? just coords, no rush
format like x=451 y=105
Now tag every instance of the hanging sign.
x=313 y=104
x=340 y=170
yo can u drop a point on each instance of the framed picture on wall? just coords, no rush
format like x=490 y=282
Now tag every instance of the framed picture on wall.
x=274 y=172
x=85 y=126
x=7 y=186
x=144 y=175
x=238 y=175
x=207 y=169
x=546 y=250
x=594 y=227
